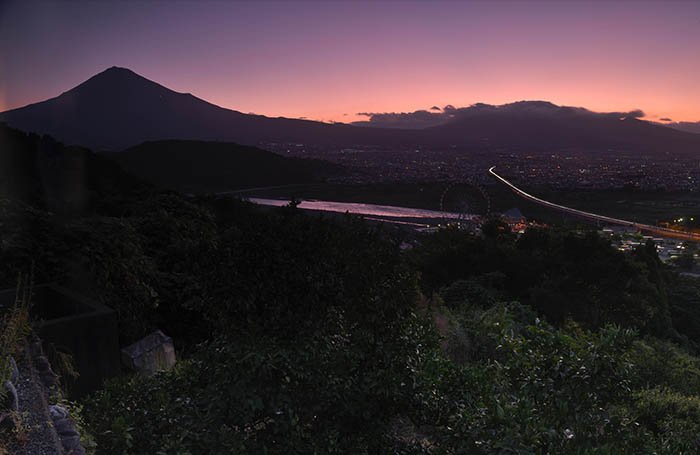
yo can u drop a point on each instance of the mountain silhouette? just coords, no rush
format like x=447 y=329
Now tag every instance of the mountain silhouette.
x=541 y=125
x=117 y=109
x=690 y=127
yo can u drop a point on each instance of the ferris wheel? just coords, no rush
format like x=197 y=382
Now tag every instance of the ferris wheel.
x=463 y=202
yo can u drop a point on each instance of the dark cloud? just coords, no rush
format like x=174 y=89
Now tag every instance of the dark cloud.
x=436 y=116
x=407 y=120
x=666 y=119
x=637 y=113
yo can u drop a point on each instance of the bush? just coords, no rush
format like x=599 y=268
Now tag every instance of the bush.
x=562 y=275
x=335 y=392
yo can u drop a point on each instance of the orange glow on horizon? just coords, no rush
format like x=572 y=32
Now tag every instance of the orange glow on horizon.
x=344 y=107
x=330 y=60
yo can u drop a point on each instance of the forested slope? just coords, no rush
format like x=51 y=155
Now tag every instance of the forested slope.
x=301 y=334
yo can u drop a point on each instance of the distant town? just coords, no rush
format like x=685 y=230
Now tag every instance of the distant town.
x=575 y=169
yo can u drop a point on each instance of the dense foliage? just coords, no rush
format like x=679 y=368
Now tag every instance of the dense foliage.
x=319 y=342
x=561 y=275
x=44 y=173
x=301 y=334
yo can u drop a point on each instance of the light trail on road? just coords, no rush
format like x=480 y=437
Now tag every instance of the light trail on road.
x=665 y=232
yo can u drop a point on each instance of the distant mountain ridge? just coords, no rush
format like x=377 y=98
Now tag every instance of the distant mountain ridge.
x=117 y=109
x=545 y=126
x=689 y=127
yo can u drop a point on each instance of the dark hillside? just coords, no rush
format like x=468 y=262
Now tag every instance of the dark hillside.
x=45 y=173
x=217 y=166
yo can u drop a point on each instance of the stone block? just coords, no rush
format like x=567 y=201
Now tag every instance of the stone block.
x=153 y=353
x=10 y=399
x=14 y=371
x=64 y=428
x=72 y=446
x=56 y=411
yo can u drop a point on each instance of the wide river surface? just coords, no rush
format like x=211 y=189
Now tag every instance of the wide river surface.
x=388 y=211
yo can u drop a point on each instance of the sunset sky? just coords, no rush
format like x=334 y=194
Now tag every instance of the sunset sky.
x=331 y=60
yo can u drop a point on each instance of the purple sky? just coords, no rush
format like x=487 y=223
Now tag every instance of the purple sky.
x=323 y=60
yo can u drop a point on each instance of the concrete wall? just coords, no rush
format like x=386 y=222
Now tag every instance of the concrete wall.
x=80 y=327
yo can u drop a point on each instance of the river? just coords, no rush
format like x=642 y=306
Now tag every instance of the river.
x=387 y=211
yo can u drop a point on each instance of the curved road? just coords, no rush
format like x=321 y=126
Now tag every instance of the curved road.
x=664 y=232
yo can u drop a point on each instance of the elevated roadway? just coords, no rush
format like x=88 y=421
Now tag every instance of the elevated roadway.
x=648 y=228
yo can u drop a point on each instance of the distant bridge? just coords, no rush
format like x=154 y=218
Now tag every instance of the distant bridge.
x=664 y=232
